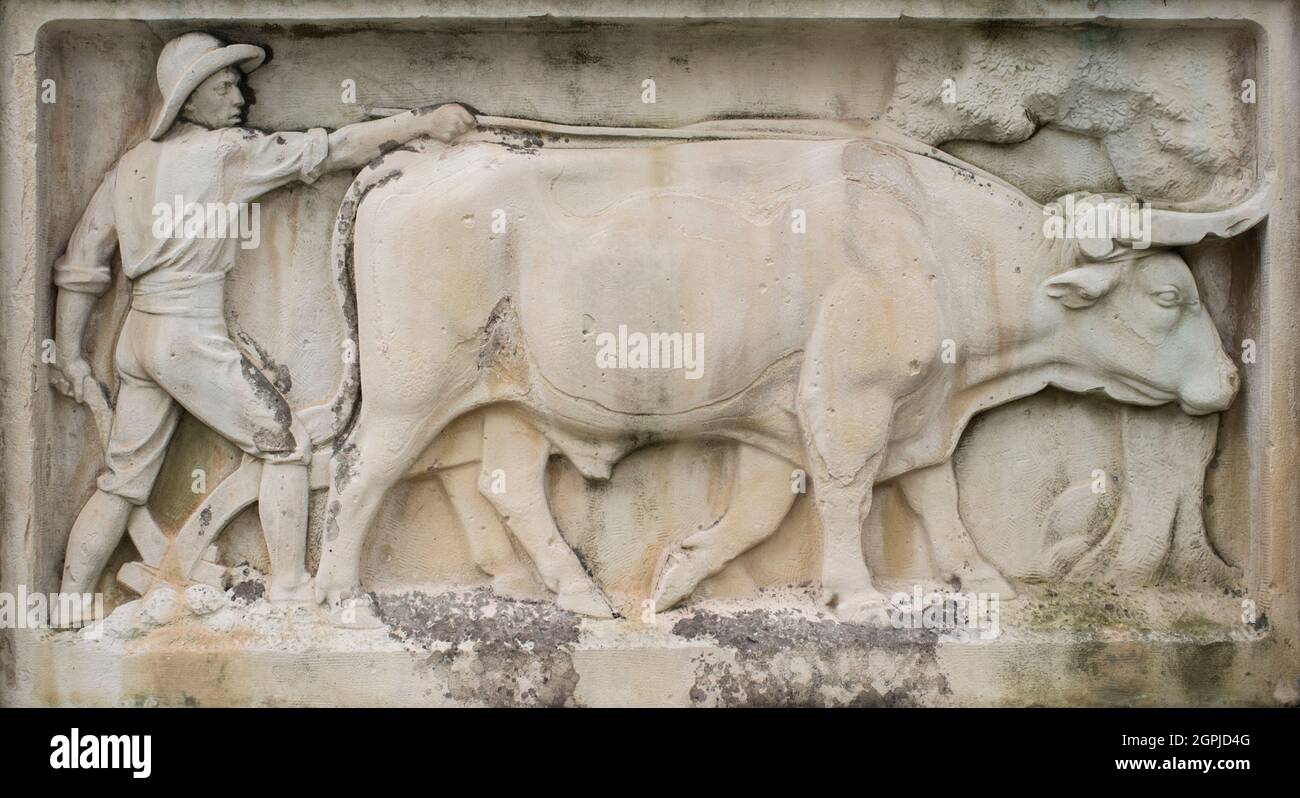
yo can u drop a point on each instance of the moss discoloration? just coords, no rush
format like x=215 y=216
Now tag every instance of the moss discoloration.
x=1202 y=668
x=1195 y=625
x=1084 y=609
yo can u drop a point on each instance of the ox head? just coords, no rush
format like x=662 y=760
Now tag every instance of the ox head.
x=1127 y=313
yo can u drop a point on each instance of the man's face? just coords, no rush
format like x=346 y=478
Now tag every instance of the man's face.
x=217 y=102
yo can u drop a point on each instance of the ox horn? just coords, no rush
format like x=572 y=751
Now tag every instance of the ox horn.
x=1173 y=228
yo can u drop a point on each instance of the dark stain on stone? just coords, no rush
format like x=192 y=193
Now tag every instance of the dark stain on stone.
x=503 y=652
x=478 y=616
x=386 y=149
x=281 y=438
x=345 y=467
x=109 y=399
x=348 y=398
x=248 y=592
x=786 y=658
x=281 y=378
x=498 y=340
x=523 y=142
x=766 y=631
x=426 y=109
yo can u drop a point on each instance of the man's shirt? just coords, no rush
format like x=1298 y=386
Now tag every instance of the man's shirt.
x=201 y=166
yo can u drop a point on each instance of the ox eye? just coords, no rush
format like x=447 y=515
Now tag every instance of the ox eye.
x=1168 y=297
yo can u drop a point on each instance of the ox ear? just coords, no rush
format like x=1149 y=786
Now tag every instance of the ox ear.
x=1081 y=287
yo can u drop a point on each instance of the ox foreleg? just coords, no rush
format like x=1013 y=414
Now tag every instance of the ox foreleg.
x=513 y=479
x=932 y=495
x=847 y=588
x=376 y=455
x=760 y=500
x=845 y=409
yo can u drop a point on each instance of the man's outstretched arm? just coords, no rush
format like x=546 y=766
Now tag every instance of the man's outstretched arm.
x=354 y=146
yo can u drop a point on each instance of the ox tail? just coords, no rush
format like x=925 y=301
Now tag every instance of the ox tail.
x=332 y=420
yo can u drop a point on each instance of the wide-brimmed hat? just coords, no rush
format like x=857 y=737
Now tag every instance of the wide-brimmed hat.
x=187 y=61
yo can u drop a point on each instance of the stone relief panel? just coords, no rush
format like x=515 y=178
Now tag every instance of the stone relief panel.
x=945 y=309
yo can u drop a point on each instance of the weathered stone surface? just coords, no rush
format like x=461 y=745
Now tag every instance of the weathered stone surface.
x=402 y=418
x=1093 y=647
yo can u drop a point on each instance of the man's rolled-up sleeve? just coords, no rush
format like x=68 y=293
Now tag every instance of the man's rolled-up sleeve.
x=86 y=265
x=271 y=160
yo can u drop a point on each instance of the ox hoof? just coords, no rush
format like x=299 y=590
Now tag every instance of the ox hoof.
x=867 y=607
x=354 y=611
x=584 y=600
x=678 y=577
x=987 y=580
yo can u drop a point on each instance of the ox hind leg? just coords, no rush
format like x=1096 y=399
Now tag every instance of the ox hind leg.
x=932 y=495
x=376 y=455
x=513 y=480
x=761 y=498
x=488 y=538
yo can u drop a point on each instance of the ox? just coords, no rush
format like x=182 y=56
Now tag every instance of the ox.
x=857 y=301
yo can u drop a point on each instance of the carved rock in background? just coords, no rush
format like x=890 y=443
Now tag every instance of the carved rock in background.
x=1091 y=493
x=1141 y=93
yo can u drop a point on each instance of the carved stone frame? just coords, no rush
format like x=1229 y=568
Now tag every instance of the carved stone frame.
x=1272 y=395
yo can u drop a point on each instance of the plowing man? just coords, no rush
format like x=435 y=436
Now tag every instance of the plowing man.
x=174 y=350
